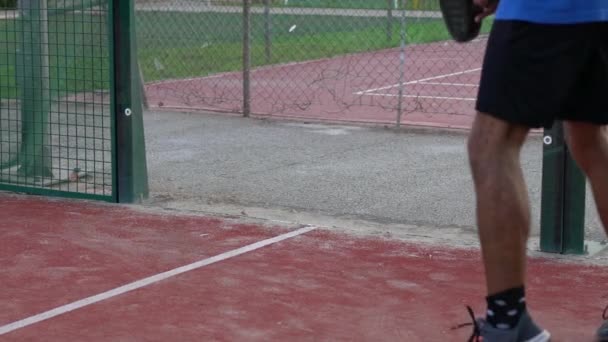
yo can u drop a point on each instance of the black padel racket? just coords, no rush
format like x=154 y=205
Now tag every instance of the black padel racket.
x=459 y=17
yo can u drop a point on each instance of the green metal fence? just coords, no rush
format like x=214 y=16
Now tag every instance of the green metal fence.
x=58 y=102
x=563 y=197
x=71 y=116
x=305 y=58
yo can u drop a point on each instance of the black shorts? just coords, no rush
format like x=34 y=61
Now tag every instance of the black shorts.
x=534 y=74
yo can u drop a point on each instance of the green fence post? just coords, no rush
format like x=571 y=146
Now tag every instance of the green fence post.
x=131 y=168
x=246 y=58
x=389 y=20
x=574 y=208
x=267 y=31
x=563 y=197
x=33 y=79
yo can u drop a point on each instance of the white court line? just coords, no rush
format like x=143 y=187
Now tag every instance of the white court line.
x=427 y=97
x=148 y=281
x=365 y=92
x=451 y=84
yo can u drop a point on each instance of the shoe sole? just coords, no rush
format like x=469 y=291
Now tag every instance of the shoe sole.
x=542 y=337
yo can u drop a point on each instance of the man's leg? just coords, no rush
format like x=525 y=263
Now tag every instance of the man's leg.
x=587 y=129
x=588 y=144
x=503 y=212
x=528 y=74
x=503 y=217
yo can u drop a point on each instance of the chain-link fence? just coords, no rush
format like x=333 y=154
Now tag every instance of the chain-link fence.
x=55 y=115
x=356 y=60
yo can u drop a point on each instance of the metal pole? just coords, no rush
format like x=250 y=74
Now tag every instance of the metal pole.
x=389 y=20
x=267 y=31
x=130 y=156
x=34 y=159
x=246 y=58
x=401 y=69
x=563 y=197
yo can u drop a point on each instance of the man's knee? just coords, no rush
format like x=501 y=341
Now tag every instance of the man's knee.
x=492 y=140
x=478 y=151
x=587 y=143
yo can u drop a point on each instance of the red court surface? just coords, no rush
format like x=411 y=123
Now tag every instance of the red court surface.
x=439 y=88
x=312 y=285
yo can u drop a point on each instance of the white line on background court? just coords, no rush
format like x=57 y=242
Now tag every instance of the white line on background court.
x=427 y=97
x=451 y=84
x=368 y=91
x=148 y=281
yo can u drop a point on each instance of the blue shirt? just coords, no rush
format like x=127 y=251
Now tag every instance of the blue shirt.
x=553 y=11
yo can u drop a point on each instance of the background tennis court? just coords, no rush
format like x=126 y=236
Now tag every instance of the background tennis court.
x=308 y=60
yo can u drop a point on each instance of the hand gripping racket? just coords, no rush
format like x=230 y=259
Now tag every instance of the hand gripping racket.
x=459 y=17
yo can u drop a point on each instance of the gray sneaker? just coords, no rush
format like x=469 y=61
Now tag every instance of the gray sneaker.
x=525 y=331
x=602 y=333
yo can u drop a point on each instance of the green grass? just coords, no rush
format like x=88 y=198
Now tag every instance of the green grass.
x=352 y=4
x=8 y=4
x=364 y=4
x=78 y=56
x=182 y=45
x=198 y=48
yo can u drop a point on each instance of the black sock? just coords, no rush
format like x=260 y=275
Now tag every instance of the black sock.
x=506 y=308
